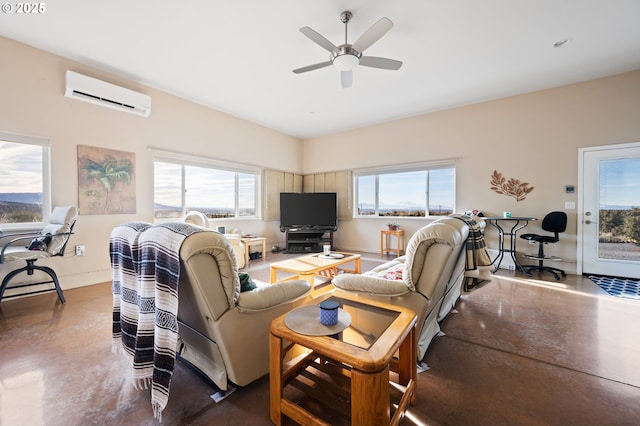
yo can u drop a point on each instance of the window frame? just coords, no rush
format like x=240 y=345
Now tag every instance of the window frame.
x=394 y=169
x=45 y=144
x=215 y=164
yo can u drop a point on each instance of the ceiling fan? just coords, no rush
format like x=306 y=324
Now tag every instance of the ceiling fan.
x=348 y=56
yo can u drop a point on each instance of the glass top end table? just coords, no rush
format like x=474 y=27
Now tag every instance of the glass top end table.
x=351 y=366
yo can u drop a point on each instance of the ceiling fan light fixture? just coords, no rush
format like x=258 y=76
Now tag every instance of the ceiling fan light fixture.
x=345 y=57
x=346 y=62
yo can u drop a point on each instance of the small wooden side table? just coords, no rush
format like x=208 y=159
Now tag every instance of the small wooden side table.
x=346 y=374
x=248 y=241
x=385 y=241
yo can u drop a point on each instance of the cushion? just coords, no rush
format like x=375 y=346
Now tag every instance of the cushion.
x=60 y=222
x=267 y=296
x=392 y=273
x=246 y=283
x=370 y=284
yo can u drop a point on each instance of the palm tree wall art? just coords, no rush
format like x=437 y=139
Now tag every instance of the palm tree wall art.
x=106 y=183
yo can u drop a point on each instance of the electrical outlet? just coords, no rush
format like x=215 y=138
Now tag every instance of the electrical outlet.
x=80 y=250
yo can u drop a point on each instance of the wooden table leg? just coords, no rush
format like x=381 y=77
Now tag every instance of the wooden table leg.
x=407 y=363
x=273 y=275
x=275 y=378
x=370 y=403
x=311 y=279
x=358 y=266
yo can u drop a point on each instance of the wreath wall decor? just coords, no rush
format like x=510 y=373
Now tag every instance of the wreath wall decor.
x=512 y=187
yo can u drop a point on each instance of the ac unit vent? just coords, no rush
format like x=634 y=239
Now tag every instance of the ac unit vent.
x=99 y=92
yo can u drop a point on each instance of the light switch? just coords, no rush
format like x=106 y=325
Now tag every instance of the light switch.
x=569 y=205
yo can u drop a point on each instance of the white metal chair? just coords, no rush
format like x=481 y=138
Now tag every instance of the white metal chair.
x=31 y=246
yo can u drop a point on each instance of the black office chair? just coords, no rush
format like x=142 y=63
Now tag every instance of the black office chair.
x=555 y=222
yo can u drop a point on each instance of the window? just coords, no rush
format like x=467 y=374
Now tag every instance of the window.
x=219 y=190
x=411 y=191
x=24 y=180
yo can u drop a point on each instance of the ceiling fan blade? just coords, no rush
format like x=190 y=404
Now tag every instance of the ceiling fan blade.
x=312 y=67
x=383 y=63
x=318 y=38
x=373 y=34
x=346 y=79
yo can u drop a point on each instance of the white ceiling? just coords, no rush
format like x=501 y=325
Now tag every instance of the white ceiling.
x=237 y=56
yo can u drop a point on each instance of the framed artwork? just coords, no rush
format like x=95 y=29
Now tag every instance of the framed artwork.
x=106 y=181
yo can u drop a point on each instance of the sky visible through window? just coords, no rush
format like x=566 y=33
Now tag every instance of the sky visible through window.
x=408 y=190
x=620 y=183
x=20 y=168
x=207 y=189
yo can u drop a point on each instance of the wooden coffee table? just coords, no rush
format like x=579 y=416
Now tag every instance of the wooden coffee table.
x=346 y=373
x=307 y=267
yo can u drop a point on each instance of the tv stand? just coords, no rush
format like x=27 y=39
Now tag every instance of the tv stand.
x=301 y=240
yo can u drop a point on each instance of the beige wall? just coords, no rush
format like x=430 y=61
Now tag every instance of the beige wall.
x=32 y=103
x=533 y=137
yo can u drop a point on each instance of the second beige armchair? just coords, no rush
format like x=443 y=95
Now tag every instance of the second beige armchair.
x=433 y=267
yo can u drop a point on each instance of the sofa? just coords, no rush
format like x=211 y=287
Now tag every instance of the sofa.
x=428 y=279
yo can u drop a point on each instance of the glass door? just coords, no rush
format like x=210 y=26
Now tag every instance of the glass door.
x=609 y=222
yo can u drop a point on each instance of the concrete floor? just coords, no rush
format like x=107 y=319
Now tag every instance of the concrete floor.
x=517 y=351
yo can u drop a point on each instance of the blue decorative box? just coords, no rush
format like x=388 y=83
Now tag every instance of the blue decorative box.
x=329 y=312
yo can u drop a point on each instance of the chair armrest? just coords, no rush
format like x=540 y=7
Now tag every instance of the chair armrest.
x=20 y=236
x=268 y=296
x=371 y=285
x=23 y=236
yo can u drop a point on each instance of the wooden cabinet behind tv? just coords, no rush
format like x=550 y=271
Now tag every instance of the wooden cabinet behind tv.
x=278 y=181
x=275 y=183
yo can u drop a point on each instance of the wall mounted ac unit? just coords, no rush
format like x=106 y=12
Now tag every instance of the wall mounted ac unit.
x=83 y=88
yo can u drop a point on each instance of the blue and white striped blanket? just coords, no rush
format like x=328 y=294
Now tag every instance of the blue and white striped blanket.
x=146 y=270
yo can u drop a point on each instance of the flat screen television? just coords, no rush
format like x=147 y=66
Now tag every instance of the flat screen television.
x=308 y=210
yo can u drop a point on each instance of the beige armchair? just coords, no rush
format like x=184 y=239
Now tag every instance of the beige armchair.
x=177 y=290
x=434 y=266
x=222 y=331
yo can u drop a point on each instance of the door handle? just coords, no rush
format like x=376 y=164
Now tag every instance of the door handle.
x=588 y=222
